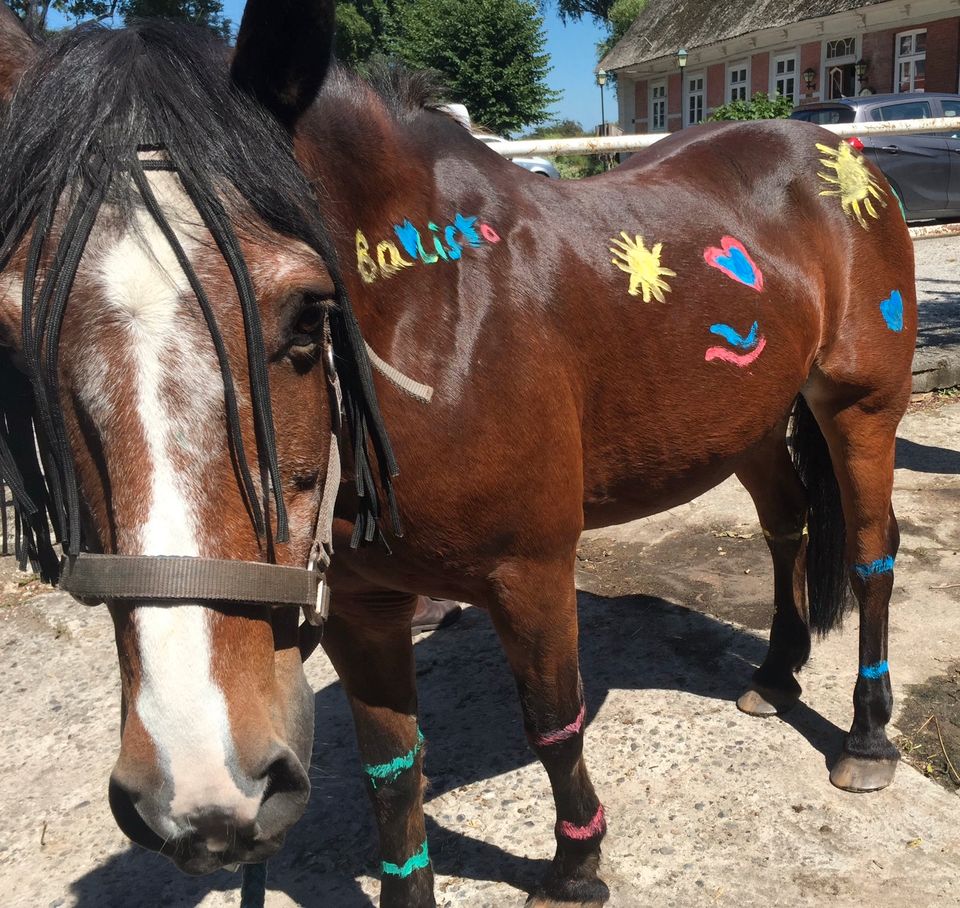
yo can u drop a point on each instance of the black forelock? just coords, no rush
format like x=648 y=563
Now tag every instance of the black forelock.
x=79 y=119
x=95 y=95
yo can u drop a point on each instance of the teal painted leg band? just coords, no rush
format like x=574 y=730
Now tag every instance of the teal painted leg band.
x=420 y=860
x=880 y=566
x=876 y=671
x=385 y=773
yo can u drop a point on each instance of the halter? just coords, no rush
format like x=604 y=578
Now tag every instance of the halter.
x=95 y=578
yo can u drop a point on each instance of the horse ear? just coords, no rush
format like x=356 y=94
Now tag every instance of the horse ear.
x=16 y=53
x=283 y=53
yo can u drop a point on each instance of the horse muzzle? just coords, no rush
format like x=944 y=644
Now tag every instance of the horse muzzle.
x=212 y=835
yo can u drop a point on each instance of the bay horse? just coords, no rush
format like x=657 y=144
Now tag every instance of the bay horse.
x=191 y=248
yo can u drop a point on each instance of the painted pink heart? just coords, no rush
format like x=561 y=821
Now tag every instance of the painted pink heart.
x=734 y=261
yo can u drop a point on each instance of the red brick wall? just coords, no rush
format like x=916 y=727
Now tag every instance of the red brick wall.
x=809 y=59
x=943 y=54
x=716 y=85
x=878 y=50
x=759 y=73
x=641 y=102
x=674 y=102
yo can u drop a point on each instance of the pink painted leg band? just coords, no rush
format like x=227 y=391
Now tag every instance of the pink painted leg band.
x=562 y=734
x=595 y=827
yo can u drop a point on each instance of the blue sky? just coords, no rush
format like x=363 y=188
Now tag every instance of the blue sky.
x=572 y=49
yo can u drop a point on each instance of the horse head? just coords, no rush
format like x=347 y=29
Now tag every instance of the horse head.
x=165 y=298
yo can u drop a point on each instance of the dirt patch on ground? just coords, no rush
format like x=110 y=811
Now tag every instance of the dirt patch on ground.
x=17 y=586
x=724 y=571
x=727 y=573
x=930 y=719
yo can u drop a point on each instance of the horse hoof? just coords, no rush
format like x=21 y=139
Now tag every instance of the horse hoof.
x=542 y=901
x=572 y=894
x=858 y=774
x=766 y=701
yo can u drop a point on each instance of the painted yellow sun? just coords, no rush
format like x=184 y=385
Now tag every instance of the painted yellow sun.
x=851 y=180
x=643 y=265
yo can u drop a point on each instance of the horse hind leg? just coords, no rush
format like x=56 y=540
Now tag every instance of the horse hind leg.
x=862 y=438
x=781 y=502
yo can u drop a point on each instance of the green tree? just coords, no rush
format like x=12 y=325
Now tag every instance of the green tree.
x=760 y=107
x=620 y=16
x=575 y=10
x=570 y=167
x=490 y=54
x=201 y=12
x=365 y=29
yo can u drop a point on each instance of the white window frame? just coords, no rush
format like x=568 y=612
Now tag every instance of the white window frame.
x=689 y=95
x=911 y=58
x=738 y=67
x=652 y=123
x=795 y=75
x=830 y=63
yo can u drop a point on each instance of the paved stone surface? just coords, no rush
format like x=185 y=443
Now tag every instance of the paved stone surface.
x=936 y=363
x=707 y=807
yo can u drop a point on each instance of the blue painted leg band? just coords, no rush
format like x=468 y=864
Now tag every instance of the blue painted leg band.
x=880 y=566
x=417 y=862
x=385 y=773
x=875 y=671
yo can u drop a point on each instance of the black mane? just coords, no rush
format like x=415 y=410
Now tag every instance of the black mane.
x=95 y=95
x=73 y=139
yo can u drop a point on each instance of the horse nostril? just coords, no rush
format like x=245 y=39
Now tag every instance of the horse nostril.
x=286 y=794
x=217 y=828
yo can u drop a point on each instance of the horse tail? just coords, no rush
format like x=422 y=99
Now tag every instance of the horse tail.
x=828 y=587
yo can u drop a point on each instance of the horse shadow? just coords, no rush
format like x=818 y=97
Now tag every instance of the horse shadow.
x=926 y=458
x=470 y=714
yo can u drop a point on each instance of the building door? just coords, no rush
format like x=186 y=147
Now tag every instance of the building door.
x=841 y=69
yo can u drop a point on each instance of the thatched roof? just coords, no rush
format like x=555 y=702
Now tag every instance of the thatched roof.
x=664 y=26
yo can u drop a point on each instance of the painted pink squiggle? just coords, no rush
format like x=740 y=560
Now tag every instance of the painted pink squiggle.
x=737 y=359
x=595 y=827
x=562 y=734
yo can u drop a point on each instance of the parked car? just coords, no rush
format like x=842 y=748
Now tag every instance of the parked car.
x=540 y=166
x=923 y=169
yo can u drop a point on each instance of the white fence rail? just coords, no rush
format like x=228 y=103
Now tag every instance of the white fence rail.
x=616 y=144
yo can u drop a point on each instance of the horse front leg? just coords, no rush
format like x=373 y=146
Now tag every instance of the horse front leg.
x=368 y=641
x=535 y=615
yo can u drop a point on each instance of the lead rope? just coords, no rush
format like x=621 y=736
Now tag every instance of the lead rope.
x=253 y=885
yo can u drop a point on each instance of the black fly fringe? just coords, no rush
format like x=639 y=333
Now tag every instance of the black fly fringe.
x=71 y=141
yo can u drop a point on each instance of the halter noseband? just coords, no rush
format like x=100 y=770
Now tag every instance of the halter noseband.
x=95 y=578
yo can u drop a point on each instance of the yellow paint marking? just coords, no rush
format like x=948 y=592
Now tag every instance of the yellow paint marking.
x=851 y=180
x=643 y=265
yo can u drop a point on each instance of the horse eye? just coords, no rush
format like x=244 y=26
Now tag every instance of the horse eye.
x=309 y=322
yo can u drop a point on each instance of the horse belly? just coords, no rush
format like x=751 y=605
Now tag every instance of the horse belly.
x=683 y=420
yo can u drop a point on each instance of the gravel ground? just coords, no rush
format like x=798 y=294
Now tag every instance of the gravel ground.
x=706 y=806
x=937 y=360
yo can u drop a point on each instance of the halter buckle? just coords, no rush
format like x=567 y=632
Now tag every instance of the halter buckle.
x=318 y=613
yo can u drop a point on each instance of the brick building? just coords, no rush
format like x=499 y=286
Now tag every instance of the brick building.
x=807 y=50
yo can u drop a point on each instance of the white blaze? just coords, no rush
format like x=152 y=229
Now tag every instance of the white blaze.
x=179 y=703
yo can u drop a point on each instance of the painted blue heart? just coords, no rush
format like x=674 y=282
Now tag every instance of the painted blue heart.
x=739 y=266
x=892 y=311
